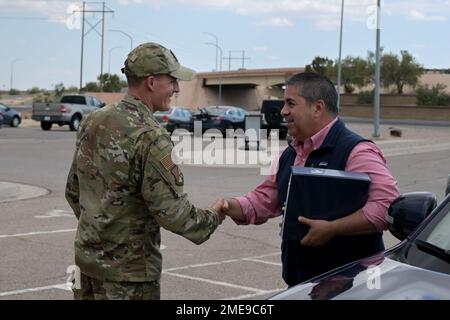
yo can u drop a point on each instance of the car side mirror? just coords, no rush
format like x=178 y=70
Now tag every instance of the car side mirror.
x=7 y=109
x=101 y=105
x=408 y=211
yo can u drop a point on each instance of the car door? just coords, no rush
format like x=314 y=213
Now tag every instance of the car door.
x=4 y=111
x=184 y=120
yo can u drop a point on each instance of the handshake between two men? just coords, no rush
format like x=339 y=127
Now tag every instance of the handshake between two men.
x=320 y=231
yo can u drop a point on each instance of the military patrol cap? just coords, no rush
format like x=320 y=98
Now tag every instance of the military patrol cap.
x=153 y=59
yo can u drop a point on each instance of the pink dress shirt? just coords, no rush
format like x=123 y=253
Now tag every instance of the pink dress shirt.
x=262 y=203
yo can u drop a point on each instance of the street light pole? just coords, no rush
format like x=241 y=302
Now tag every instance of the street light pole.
x=109 y=58
x=12 y=72
x=220 y=75
x=217 y=45
x=127 y=35
x=376 y=130
x=339 y=75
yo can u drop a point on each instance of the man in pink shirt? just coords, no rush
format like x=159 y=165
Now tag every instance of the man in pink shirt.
x=320 y=139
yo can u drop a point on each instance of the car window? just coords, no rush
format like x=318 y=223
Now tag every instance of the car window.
x=187 y=114
x=440 y=235
x=2 y=107
x=97 y=102
x=73 y=99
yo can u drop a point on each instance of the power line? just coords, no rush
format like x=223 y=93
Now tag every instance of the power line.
x=243 y=58
x=93 y=27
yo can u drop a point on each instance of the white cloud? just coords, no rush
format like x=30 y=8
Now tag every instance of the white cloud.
x=276 y=22
x=419 y=16
x=324 y=14
x=58 y=11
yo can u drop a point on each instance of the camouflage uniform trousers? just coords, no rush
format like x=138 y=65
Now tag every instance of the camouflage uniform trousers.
x=94 y=289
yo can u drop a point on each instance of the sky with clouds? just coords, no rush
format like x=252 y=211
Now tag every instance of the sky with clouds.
x=41 y=40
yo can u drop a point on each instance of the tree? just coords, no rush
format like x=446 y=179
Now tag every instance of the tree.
x=34 y=90
x=323 y=66
x=355 y=72
x=400 y=72
x=72 y=89
x=91 y=87
x=59 y=89
x=110 y=82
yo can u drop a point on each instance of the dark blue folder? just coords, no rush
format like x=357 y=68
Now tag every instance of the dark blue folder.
x=323 y=194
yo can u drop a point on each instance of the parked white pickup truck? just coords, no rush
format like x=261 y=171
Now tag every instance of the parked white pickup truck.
x=70 y=110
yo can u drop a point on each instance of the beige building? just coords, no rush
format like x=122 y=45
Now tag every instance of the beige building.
x=245 y=88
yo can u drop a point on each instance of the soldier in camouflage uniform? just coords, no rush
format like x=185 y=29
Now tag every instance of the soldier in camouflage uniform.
x=123 y=185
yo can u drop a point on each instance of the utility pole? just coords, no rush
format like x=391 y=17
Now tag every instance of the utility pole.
x=376 y=130
x=220 y=71
x=243 y=58
x=104 y=10
x=11 y=86
x=82 y=46
x=103 y=40
x=216 y=45
x=339 y=59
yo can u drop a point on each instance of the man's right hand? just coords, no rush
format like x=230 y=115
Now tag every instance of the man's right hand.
x=221 y=206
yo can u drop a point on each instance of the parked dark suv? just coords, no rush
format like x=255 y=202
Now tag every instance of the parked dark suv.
x=271 y=117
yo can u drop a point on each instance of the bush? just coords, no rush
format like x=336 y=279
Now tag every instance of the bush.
x=366 y=97
x=435 y=96
x=43 y=97
x=34 y=90
x=14 y=92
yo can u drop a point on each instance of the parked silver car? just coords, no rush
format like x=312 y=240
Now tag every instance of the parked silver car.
x=175 y=118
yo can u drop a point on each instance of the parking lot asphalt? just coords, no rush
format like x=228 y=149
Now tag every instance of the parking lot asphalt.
x=36 y=235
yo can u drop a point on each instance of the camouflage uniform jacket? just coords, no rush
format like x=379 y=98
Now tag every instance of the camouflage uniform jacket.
x=122 y=187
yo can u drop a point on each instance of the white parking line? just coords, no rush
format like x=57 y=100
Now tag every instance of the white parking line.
x=416 y=149
x=263 y=261
x=62 y=286
x=220 y=283
x=56 y=213
x=222 y=262
x=256 y=292
x=253 y=295
x=2 y=236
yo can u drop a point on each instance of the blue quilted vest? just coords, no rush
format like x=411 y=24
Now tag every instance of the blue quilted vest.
x=301 y=263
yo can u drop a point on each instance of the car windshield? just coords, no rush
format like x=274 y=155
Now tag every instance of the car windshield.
x=216 y=111
x=431 y=246
x=437 y=233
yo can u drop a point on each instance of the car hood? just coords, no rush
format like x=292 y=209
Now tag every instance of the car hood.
x=378 y=279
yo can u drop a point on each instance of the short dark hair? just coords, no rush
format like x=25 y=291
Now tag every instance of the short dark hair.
x=313 y=86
